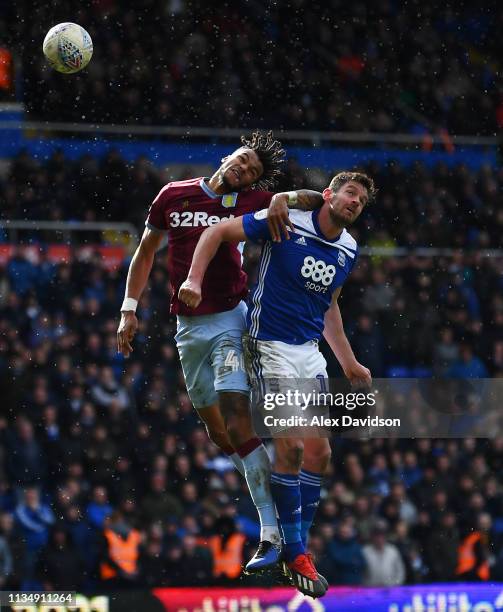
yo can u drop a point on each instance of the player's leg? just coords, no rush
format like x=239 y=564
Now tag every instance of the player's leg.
x=285 y=486
x=306 y=363
x=217 y=433
x=317 y=450
x=257 y=470
x=231 y=384
x=316 y=459
x=193 y=340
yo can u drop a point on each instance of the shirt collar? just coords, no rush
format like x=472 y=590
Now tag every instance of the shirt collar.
x=207 y=189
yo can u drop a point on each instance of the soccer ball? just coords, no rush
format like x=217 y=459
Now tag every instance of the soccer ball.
x=68 y=47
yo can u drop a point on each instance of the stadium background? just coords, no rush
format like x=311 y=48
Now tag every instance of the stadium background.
x=411 y=92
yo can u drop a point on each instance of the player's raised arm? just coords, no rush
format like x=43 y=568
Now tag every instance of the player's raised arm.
x=139 y=271
x=334 y=334
x=277 y=214
x=208 y=245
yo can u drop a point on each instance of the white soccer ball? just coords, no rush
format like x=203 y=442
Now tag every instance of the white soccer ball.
x=68 y=47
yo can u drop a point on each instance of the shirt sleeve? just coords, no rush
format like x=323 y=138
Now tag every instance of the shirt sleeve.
x=156 y=218
x=255 y=226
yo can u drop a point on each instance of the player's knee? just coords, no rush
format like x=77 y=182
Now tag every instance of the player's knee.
x=236 y=412
x=289 y=457
x=317 y=458
x=239 y=431
x=219 y=437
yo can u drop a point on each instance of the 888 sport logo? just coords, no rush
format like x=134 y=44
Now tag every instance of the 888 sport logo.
x=317 y=271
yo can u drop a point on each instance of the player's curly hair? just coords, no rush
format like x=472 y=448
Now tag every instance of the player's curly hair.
x=270 y=153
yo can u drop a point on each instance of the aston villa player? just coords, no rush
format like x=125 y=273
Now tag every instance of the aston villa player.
x=209 y=337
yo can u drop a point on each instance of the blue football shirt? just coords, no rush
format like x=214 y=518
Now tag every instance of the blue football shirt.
x=297 y=278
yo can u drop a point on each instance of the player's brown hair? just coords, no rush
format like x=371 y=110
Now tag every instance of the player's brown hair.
x=358 y=177
x=270 y=153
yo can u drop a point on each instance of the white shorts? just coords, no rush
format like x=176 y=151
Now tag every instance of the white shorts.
x=295 y=373
x=274 y=359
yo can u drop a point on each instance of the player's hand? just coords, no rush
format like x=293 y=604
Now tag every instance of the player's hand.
x=190 y=293
x=126 y=332
x=277 y=217
x=358 y=375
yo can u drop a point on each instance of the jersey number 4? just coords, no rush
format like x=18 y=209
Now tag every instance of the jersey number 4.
x=234 y=361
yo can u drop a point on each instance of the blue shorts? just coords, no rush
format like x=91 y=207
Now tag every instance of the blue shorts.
x=211 y=353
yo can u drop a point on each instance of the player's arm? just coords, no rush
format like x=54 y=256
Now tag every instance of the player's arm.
x=139 y=271
x=334 y=334
x=277 y=215
x=208 y=245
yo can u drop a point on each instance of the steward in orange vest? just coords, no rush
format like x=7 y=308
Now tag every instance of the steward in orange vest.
x=227 y=549
x=120 y=550
x=472 y=557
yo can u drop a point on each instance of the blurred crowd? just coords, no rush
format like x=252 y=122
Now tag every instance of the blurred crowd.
x=100 y=454
x=359 y=66
x=441 y=207
x=96 y=450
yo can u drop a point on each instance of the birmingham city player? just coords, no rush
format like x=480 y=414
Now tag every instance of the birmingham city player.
x=209 y=337
x=294 y=302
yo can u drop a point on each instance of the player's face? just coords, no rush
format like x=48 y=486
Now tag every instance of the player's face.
x=241 y=169
x=346 y=205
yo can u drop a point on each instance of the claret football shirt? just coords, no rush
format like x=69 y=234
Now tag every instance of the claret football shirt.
x=184 y=209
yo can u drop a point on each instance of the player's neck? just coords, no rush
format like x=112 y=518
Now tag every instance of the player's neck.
x=328 y=227
x=216 y=184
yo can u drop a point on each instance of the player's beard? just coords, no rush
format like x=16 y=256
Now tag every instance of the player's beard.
x=229 y=188
x=338 y=219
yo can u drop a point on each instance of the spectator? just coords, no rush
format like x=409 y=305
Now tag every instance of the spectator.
x=158 y=504
x=406 y=509
x=446 y=352
x=101 y=454
x=196 y=562
x=26 y=463
x=415 y=568
x=120 y=549
x=14 y=546
x=384 y=565
x=473 y=552
x=6 y=565
x=22 y=274
x=468 y=366
x=107 y=391
x=34 y=519
x=99 y=508
x=152 y=565
x=226 y=548
x=345 y=556
x=59 y=566
x=442 y=549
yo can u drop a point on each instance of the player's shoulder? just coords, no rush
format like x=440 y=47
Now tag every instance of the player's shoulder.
x=348 y=241
x=179 y=186
x=303 y=222
x=256 y=195
x=302 y=218
x=175 y=189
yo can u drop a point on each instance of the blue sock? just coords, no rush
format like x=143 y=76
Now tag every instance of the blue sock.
x=285 y=489
x=310 y=491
